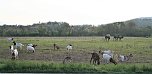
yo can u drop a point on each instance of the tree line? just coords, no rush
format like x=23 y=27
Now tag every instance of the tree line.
x=51 y=29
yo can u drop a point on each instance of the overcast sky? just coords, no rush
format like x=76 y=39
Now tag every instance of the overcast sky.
x=74 y=12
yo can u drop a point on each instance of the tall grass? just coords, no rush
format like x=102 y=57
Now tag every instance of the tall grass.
x=47 y=67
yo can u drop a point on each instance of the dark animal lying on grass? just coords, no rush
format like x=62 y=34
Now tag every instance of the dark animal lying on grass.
x=67 y=59
x=95 y=57
x=56 y=46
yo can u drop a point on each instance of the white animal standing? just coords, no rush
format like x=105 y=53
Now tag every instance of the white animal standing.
x=10 y=39
x=69 y=47
x=18 y=45
x=30 y=48
x=14 y=52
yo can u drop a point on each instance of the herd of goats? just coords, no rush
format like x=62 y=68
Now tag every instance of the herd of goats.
x=107 y=55
x=115 y=37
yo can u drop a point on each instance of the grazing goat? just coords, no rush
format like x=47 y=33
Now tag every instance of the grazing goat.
x=32 y=45
x=31 y=48
x=107 y=37
x=56 y=46
x=67 y=59
x=69 y=47
x=123 y=58
x=117 y=37
x=18 y=45
x=10 y=39
x=109 y=52
x=14 y=52
x=95 y=57
x=107 y=58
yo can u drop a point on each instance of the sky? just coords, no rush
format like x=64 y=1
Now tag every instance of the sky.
x=74 y=12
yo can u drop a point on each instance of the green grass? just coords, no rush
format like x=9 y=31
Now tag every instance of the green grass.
x=52 y=67
x=45 y=59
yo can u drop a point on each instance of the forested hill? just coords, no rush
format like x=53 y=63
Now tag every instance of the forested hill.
x=135 y=27
x=142 y=22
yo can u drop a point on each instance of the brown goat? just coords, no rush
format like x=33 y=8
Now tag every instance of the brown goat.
x=55 y=46
x=95 y=57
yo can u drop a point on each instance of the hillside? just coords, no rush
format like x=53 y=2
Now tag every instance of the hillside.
x=142 y=22
x=135 y=27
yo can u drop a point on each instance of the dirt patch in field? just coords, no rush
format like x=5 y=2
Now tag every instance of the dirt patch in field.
x=57 y=55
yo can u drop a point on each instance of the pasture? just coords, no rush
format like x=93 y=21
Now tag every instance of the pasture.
x=45 y=55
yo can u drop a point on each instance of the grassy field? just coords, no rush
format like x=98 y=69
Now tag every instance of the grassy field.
x=46 y=59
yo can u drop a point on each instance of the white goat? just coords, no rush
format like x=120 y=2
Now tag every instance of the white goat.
x=32 y=45
x=109 y=52
x=107 y=59
x=18 y=45
x=69 y=47
x=10 y=39
x=30 y=48
x=123 y=58
x=14 y=52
